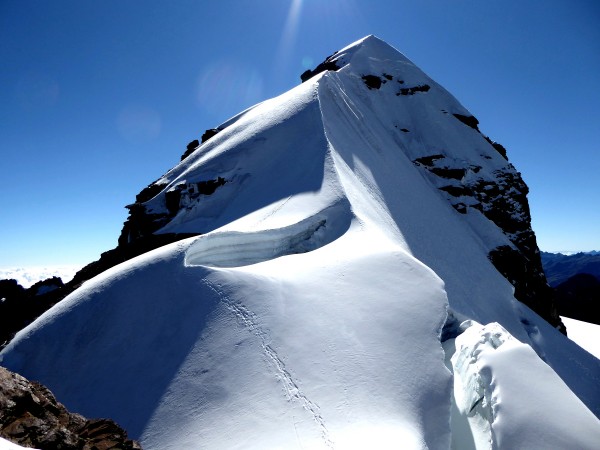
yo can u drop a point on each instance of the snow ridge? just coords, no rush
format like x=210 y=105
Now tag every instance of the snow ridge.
x=474 y=389
x=488 y=372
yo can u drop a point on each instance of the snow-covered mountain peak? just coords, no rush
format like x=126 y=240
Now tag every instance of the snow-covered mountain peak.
x=349 y=233
x=369 y=49
x=370 y=111
x=376 y=60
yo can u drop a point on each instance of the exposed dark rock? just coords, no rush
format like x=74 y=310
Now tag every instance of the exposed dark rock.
x=193 y=145
x=190 y=148
x=372 y=81
x=414 y=90
x=448 y=172
x=142 y=223
x=404 y=129
x=470 y=121
x=32 y=417
x=328 y=64
x=428 y=160
x=529 y=282
x=579 y=298
x=502 y=198
x=505 y=201
x=387 y=77
x=192 y=190
x=209 y=133
x=11 y=289
x=47 y=285
x=460 y=207
x=19 y=306
x=210 y=186
x=499 y=147
x=172 y=199
x=149 y=192
x=457 y=191
x=453 y=326
x=505 y=204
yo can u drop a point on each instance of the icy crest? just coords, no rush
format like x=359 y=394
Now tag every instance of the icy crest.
x=501 y=385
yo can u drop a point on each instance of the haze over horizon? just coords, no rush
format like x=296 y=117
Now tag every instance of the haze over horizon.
x=100 y=99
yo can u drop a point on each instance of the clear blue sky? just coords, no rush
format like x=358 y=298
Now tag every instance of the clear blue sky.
x=100 y=98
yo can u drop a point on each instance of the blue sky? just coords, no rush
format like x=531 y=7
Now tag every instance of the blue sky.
x=100 y=98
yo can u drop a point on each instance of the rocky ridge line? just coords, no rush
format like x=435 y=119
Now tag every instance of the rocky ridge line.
x=31 y=416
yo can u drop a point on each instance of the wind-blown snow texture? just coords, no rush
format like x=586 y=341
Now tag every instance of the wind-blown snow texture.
x=312 y=310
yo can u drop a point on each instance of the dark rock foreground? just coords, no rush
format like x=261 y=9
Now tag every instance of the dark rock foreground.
x=31 y=416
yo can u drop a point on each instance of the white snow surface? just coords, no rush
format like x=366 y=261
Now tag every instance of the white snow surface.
x=310 y=313
x=7 y=445
x=584 y=334
x=500 y=384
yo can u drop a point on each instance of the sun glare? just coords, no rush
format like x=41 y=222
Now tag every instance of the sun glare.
x=288 y=35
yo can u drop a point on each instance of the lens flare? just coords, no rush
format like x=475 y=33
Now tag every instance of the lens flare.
x=138 y=124
x=226 y=87
x=288 y=36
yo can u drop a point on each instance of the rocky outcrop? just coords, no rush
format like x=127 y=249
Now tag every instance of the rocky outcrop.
x=20 y=306
x=579 y=298
x=191 y=147
x=502 y=198
x=470 y=121
x=328 y=64
x=142 y=223
x=413 y=90
x=209 y=133
x=47 y=285
x=375 y=82
x=372 y=81
x=31 y=416
x=529 y=282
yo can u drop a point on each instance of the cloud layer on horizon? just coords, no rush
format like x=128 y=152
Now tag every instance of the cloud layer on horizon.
x=28 y=276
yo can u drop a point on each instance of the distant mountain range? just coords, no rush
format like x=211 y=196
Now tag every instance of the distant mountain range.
x=560 y=267
x=576 y=279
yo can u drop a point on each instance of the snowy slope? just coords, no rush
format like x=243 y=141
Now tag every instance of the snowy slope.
x=584 y=334
x=335 y=297
x=7 y=445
